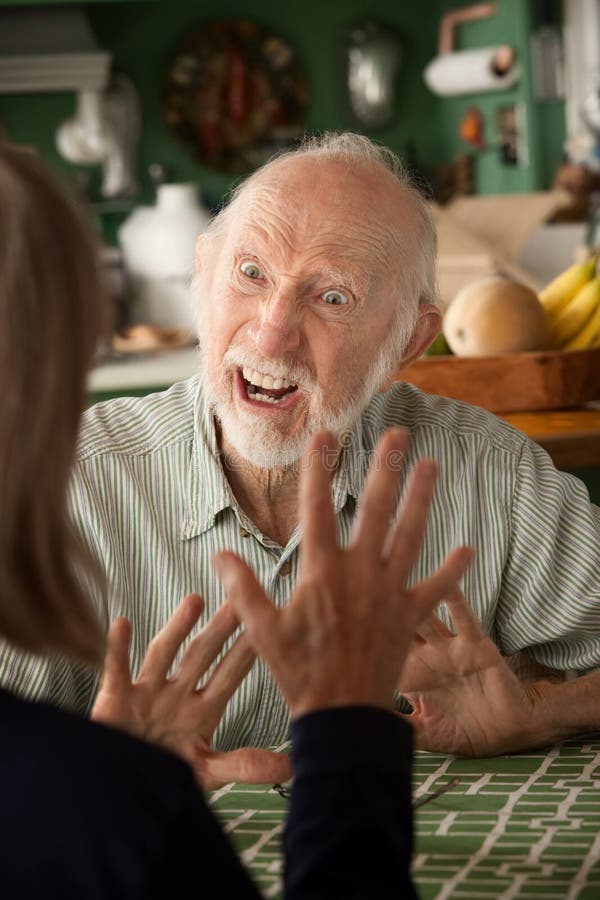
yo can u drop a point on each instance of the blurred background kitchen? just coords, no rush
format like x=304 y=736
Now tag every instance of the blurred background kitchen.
x=152 y=109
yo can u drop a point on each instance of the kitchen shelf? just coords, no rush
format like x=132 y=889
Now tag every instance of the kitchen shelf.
x=142 y=372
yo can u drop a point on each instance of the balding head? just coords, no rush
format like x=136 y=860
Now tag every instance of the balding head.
x=356 y=165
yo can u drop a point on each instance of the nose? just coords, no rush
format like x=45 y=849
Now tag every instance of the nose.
x=277 y=329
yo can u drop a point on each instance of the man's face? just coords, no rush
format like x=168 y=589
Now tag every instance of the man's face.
x=299 y=298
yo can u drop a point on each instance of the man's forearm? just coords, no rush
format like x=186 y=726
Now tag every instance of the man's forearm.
x=570 y=707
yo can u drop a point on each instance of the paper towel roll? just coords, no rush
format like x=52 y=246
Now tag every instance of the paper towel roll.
x=470 y=72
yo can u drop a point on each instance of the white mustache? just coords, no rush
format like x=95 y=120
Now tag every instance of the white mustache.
x=296 y=373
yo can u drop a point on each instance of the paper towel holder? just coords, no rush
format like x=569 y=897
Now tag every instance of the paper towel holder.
x=455 y=72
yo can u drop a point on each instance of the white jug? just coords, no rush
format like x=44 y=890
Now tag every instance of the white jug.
x=158 y=245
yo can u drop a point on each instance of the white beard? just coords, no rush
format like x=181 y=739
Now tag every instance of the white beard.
x=262 y=440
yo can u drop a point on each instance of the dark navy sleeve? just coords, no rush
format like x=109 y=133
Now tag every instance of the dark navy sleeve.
x=349 y=832
x=91 y=813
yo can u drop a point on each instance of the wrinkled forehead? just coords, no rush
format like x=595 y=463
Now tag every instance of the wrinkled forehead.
x=361 y=215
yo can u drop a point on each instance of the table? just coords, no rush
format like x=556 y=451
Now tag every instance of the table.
x=519 y=826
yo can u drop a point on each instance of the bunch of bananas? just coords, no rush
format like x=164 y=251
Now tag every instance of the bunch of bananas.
x=572 y=306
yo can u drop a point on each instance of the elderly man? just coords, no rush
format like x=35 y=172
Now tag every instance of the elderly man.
x=315 y=285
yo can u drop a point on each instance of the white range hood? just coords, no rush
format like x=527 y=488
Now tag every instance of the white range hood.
x=49 y=49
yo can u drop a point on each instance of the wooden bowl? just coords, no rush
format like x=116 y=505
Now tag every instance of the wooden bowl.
x=511 y=382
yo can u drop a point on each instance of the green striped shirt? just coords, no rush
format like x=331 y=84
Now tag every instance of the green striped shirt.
x=151 y=498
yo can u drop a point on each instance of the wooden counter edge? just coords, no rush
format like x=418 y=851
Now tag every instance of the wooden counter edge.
x=570 y=436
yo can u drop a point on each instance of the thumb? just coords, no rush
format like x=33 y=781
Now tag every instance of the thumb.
x=245 y=766
x=247 y=597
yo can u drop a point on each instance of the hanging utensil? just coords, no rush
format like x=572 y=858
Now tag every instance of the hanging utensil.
x=374 y=56
x=547 y=56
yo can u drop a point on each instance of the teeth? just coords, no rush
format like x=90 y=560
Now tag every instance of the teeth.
x=264 y=398
x=258 y=379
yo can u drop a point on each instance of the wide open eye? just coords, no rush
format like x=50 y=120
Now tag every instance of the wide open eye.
x=335 y=298
x=251 y=269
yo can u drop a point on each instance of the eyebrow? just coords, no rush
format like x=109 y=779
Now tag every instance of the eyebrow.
x=358 y=282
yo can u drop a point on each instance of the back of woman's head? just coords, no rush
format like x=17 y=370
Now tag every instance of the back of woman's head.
x=52 y=311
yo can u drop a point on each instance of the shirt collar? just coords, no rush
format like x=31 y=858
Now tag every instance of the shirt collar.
x=352 y=468
x=209 y=492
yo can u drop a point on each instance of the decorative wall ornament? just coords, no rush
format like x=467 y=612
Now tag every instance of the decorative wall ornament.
x=234 y=94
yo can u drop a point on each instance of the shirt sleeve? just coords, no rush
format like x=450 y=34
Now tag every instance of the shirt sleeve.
x=550 y=599
x=349 y=831
x=59 y=680
x=56 y=680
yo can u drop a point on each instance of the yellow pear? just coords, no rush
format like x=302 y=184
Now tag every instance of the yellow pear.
x=494 y=315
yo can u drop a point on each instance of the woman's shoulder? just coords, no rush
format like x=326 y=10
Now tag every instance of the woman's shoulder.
x=94 y=812
x=55 y=751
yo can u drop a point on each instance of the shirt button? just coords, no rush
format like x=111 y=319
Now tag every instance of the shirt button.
x=286 y=568
x=244 y=533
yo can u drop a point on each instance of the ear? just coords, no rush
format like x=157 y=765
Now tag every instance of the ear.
x=429 y=323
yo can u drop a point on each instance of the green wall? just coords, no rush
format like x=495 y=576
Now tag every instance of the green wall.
x=142 y=35
x=316 y=29
x=513 y=24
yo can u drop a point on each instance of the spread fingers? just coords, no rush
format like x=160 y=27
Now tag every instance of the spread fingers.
x=163 y=648
x=205 y=647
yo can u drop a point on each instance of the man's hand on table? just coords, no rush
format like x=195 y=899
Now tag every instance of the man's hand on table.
x=465 y=698
x=172 y=711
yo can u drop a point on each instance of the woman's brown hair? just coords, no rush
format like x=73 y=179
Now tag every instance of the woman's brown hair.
x=53 y=309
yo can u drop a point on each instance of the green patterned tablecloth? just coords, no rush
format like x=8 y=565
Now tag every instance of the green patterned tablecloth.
x=520 y=826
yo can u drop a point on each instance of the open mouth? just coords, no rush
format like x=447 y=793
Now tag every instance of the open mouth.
x=261 y=388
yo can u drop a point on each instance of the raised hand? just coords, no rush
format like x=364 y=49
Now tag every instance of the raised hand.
x=173 y=711
x=342 y=638
x=465 y=698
